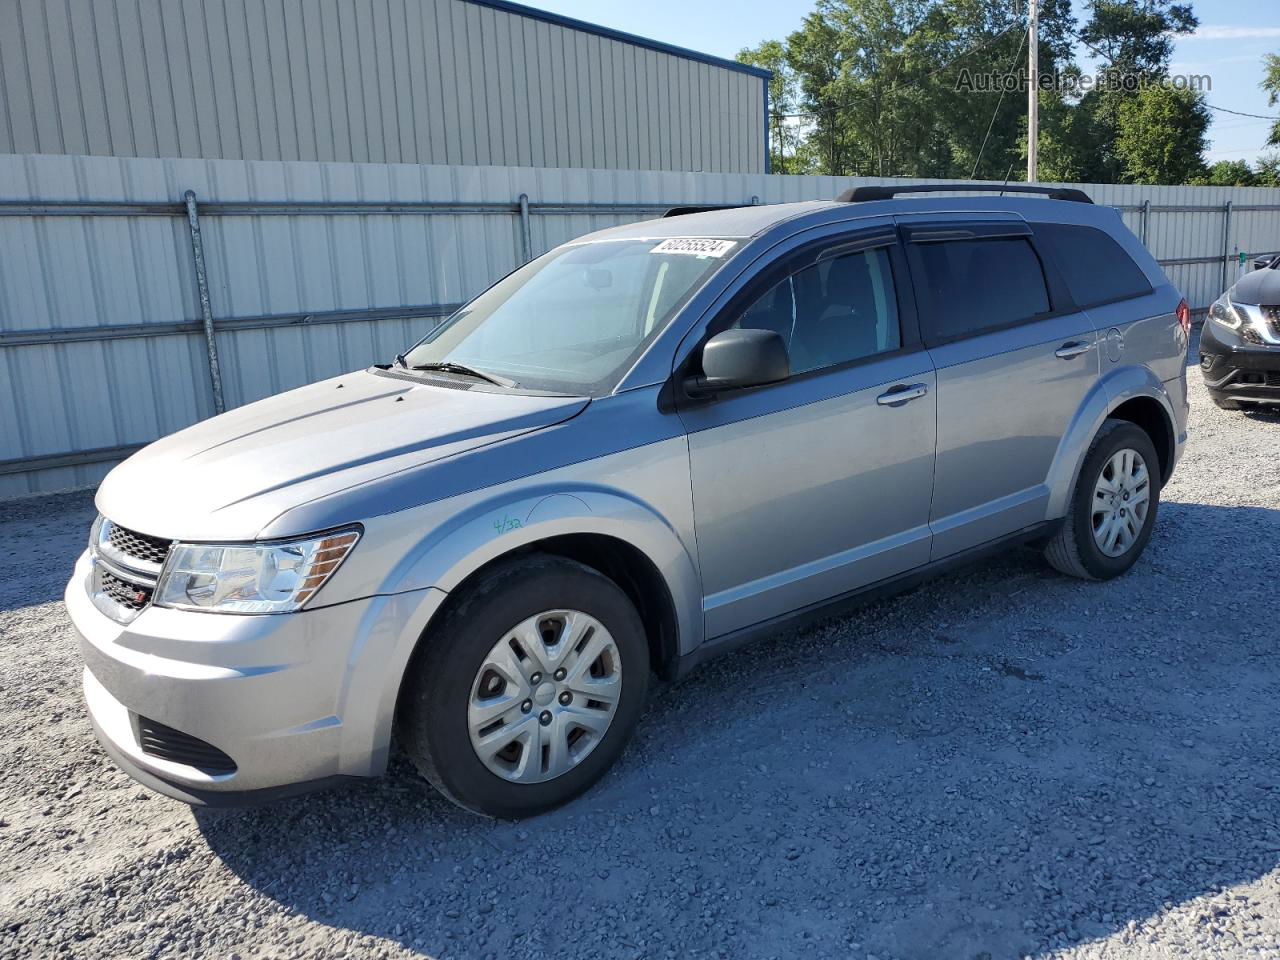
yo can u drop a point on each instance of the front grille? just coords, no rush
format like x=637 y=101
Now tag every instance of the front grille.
x=139 y=546
x=131 y=595
x=165 y=743
x=1273 y=318
x=1258 y=378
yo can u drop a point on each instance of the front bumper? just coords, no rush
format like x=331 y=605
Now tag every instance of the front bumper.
x=1233 y=368
x=293 y=700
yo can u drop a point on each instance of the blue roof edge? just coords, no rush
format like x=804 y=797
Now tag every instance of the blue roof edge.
x=631 y=38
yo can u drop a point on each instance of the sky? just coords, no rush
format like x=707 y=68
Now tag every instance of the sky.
x=1228 y=47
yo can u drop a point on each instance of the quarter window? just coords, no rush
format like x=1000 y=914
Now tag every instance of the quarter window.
x=1095 y=267
x=971 y=286
x=839 y=309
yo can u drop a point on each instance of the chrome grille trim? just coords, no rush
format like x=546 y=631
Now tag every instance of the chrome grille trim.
x=134 y=552
x=126 y=570
x=121 y=572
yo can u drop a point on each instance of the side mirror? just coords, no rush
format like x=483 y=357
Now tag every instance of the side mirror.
x=735 y=359
x=1262 y=263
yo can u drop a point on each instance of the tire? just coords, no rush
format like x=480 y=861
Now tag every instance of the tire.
x=446 y=697
x=1074 y=549
x=1226 y=403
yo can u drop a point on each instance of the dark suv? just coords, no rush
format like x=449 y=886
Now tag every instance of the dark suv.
x=1240 y=345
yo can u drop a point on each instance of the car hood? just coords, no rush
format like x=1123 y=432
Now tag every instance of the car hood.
x=230 y=477
x=1260 y=286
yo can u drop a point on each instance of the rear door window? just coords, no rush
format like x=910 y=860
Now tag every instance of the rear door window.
x=1096 y=268
x=973 y=285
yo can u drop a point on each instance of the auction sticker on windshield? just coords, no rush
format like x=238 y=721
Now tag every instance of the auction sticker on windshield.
x=695 y=246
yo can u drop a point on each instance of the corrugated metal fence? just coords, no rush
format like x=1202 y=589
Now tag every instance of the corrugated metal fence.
x=312 y=269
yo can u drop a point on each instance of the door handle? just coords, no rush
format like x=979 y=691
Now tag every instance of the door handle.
x=1072 y=348
x=902 y=393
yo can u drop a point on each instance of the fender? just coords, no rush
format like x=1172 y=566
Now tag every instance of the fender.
x=1112 y=389
x=492 y=527
x=498 y=525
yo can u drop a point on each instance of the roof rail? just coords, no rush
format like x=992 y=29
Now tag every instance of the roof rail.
x=862 y=194
x=681 y=211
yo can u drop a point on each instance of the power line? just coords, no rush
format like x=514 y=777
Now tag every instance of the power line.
x=990 y=126
x=1238 y=113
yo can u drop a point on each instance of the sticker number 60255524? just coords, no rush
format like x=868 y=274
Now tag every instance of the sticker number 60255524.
x=695 y=246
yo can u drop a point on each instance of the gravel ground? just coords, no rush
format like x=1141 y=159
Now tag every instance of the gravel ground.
x=1003 y=763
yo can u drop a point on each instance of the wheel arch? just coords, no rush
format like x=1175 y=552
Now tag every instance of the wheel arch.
x=623 y=563
x=1131 y=393
x=622 y=537
x=1147 y=413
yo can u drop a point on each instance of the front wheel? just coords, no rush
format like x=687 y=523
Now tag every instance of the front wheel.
x=1113 y=507
x=526 y=691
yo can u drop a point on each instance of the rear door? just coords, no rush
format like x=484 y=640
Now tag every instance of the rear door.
x=1014 y=360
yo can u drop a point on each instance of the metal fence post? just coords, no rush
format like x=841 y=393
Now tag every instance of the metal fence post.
x=1146 y=217
x=526 y=238
x=1226 y=240
x=202 y=289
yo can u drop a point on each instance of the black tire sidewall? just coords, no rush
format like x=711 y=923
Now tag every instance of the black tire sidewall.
x=1224 y=402
x=1122 y=435
x=442 y=677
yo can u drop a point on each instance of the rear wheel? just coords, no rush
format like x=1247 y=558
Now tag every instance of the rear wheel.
x=1113 y=507
x=527 y=690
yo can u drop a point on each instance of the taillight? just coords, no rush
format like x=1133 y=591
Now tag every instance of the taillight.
x=1184 y=316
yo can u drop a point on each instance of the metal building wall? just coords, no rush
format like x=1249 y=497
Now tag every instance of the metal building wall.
x=369 y=81
x=314 y=269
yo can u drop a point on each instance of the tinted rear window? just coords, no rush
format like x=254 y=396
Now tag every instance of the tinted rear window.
x=1095 y=267
x=971 y=286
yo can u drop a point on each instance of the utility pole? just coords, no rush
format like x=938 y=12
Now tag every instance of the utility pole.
x=1033 y=100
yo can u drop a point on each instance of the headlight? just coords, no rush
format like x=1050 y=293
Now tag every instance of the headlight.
x=253 y=577
x=1222 y=312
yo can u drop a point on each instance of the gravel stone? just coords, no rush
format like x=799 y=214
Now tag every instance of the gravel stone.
x=1004 y=763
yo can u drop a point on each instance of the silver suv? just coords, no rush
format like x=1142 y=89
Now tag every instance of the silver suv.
x=627 y=456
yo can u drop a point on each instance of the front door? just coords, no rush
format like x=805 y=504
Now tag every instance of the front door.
x=809 y=488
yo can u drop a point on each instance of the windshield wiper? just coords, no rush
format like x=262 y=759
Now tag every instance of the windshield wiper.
x=448 y=366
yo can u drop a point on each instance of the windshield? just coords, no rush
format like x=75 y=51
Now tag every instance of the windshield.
x=575 y=320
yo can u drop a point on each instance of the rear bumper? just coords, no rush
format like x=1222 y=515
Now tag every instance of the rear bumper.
x=289 y=702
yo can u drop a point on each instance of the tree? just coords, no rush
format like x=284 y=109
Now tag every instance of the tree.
x=877 y=87
x=1271 y=84
x=1136 y=36
x=878 y=84
x=784 y=96
x=1162 y=135
x=1268 y=172
x=1069 y=140
x=1227 y=173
